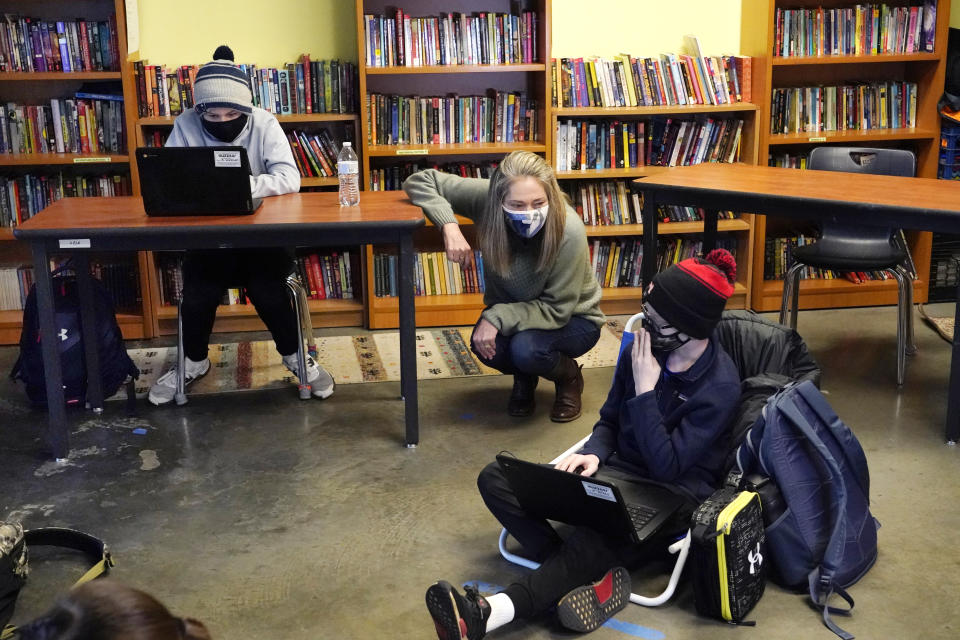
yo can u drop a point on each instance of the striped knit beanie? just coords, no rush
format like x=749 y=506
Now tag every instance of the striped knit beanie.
x=691 y=294
x=221 y=83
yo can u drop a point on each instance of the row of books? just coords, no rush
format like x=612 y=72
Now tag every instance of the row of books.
x=325 y=275
x=860 y=30
x=391 y=178
x=121 y=279
x=609 y=144
x=30 y=44
x=626 y=81
x=434 y=274
x=788 y=160
x=777 y=260
x=15 y=283
x=617 y=262
x=22 y=197
x=71 y=125
x=610 y=202
x=875 y=105
x=314 y=153
x=306 y=86
x=499 y=116
x=400 y=40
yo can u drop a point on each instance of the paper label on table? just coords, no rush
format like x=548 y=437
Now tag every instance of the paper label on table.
x=599 y=491
x=75 y=243
x=226 y=158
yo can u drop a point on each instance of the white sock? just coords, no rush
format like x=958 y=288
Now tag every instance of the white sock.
x=501 y=610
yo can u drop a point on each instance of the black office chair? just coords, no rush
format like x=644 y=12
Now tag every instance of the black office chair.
x=853 y=247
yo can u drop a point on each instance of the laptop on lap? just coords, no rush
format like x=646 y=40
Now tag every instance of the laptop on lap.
x=188 y=181
x=632 y=510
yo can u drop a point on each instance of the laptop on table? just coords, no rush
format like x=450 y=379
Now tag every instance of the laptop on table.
x=627 y=510
x=180 y=181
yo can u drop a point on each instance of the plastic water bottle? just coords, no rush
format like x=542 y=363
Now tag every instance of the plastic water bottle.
x=348 y=168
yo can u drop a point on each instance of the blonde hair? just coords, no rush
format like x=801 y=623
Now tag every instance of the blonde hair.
x=494 y=238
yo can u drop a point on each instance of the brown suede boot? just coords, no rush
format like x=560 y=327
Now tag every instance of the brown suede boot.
x=568 y=378
x=522 y=398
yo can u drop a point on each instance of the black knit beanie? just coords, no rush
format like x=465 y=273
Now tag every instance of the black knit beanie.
x=691 y=294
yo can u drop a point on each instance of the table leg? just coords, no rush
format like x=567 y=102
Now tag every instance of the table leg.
x=88 y=323
x=953 y=389
x=648 y=266
x=57 y=434
x=710 y=230
x=408 y=354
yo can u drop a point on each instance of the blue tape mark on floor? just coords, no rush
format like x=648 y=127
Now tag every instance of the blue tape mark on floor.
x=627 y=628
x=140 y=432
x=634 y=629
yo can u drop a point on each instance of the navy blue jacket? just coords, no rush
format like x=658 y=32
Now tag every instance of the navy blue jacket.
x=674 y=434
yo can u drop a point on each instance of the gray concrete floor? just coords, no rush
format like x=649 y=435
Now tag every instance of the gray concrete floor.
x=269 y=517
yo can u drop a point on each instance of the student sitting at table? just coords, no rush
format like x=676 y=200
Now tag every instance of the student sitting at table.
x=224 y=115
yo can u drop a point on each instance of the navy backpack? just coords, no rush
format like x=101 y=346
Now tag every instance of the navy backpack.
x=825 y=539
x=116 y=367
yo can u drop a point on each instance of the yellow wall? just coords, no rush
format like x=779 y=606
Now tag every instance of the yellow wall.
x=955 y=14
x=266 y=32
x=644 y=27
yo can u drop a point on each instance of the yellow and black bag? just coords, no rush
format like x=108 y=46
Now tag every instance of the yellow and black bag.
x=727 y=552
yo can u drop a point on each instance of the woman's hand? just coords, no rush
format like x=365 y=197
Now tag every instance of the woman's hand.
x=588 y=463
x=485 y=339
x=457 y=247
x=646 y=369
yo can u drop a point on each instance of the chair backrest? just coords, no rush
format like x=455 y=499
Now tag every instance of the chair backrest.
x=888 y=162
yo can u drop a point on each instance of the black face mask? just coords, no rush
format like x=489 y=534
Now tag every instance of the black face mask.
x=225 y=130
x=663 y=345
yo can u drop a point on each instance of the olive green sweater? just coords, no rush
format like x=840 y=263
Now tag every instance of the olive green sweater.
x=522 y=298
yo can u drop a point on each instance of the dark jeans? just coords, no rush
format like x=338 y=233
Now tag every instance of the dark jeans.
x=583 y=557
x=536 y=351
x=262 y=272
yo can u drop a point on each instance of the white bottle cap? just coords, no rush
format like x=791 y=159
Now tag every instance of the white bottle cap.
x=348 y=144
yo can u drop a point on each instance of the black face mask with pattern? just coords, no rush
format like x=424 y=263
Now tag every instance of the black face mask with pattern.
x=662 y=345
x=225 y=130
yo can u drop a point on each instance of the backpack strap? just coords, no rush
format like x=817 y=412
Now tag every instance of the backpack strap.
x=821 y=578
x=69 y=539
x=842 y=435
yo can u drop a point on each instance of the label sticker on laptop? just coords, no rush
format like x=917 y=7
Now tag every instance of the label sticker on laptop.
x=598 y=491
x=226 y=158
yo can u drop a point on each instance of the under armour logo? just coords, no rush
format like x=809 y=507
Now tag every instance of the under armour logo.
x=756 y=560
x=63 y=335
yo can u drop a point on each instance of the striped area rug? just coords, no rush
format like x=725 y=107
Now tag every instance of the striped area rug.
x=351 y=359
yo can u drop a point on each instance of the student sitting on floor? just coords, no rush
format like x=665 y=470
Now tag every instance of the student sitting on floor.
x=664 y=419
x=541 y=296
x=107 y=610
x=224 y=115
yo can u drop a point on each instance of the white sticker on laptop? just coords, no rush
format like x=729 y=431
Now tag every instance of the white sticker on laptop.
x=226 y=158
x=598 y=491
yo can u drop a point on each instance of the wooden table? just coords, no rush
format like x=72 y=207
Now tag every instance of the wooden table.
x=909 y=203
x=79 y=226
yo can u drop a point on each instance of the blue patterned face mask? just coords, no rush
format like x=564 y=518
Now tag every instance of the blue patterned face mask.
x=527 y=224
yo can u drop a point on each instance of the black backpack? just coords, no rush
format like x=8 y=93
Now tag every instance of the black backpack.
x=115 y=364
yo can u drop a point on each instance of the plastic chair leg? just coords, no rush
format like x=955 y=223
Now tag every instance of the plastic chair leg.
x=790 y=298
x=902 y=303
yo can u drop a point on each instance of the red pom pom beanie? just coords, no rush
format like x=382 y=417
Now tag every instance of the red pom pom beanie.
x=691 y=294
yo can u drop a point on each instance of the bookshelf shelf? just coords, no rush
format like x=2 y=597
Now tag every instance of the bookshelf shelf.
x=583 y=112
x=664 y=228
x=856 y=136
x=169 y=312
x=880 y=58
x=41 y=76
x=456 y=68
x=33 y=159
x=477 y=148
x=243 y=317
x=757 y=36
x=6 y=234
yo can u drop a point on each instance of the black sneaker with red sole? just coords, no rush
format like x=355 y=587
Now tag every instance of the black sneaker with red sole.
x=457 y=617
x=588 y=607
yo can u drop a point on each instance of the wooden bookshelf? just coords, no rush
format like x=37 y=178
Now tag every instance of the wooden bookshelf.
x=39 y=88
x=533 y=78
x=243 y=317
x=925 y=69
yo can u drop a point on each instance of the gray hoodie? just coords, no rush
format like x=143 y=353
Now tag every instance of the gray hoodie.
x=271 y=160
